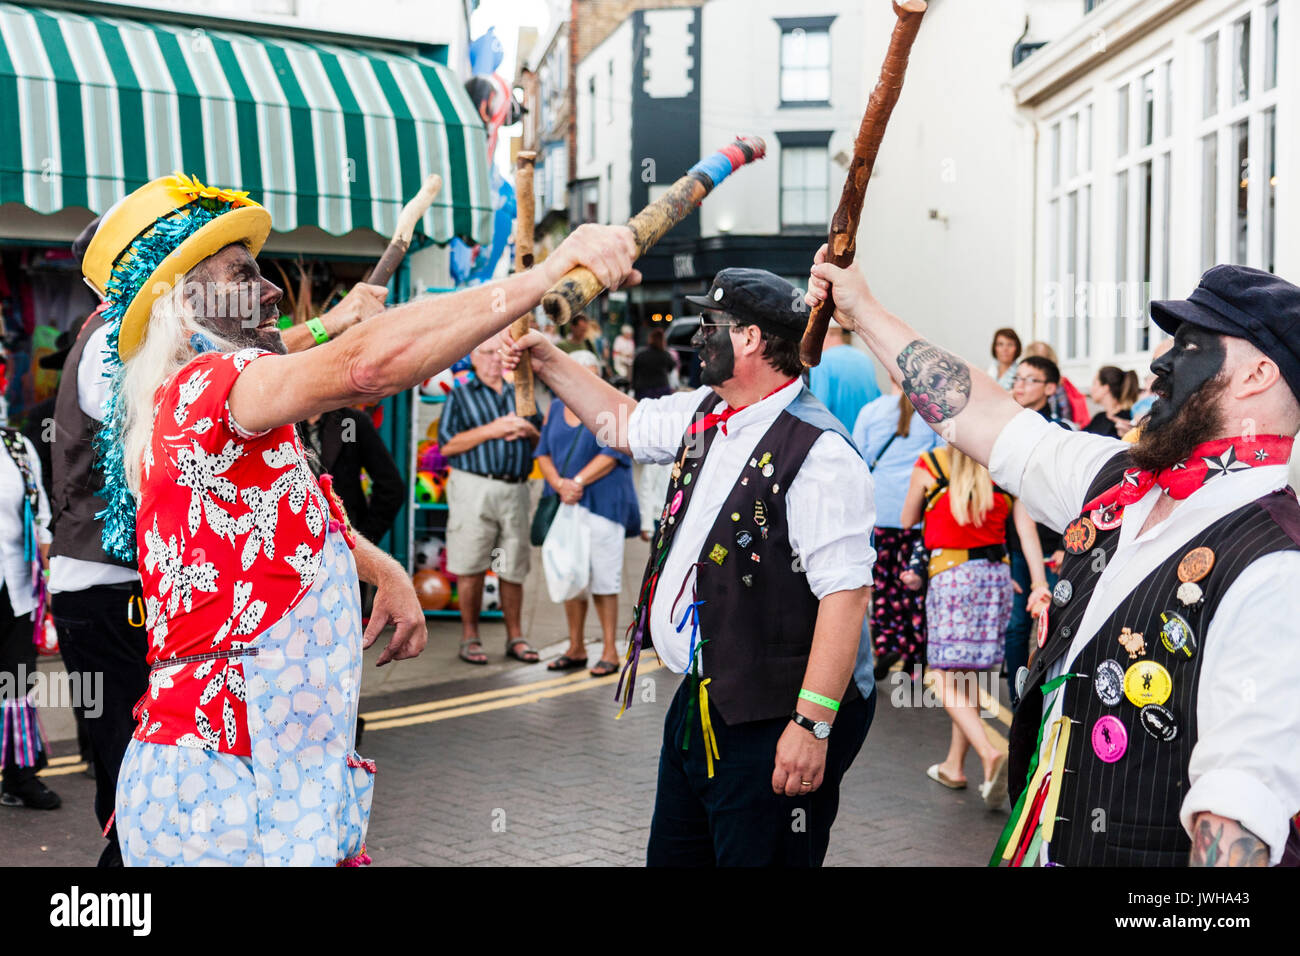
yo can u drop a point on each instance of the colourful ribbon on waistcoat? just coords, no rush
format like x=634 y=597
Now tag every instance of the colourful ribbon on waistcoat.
x=710 y=738
x=1025 y=814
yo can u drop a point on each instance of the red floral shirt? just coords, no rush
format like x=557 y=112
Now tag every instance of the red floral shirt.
x=230 y=528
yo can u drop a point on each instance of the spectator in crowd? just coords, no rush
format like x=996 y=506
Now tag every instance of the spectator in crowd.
x=346 y=443
x=1115 y=391
x=24 y=517
x=623 y=353
x=891 y=434
x=845 y=378
x=1006 y=352
x=651 y=369
x=968 y=600
x=1068 y=403
x=489 y=448
x=579 y=336
x=1035 y=385
x=598 y=479
x=1146 y=397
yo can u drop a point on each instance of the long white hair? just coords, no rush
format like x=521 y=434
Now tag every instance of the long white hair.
x=165 y=351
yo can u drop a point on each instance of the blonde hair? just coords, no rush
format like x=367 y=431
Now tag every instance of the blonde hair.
x=165 y=351
x=970 y=489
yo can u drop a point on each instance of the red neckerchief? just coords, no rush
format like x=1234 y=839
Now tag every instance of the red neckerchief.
x=1208 y=460
x=720 y=418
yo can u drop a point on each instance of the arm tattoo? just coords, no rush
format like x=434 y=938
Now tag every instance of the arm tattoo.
x=1245 y=849
x=935 y=381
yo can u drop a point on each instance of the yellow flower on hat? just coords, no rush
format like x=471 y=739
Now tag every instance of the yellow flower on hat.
x=191 y=189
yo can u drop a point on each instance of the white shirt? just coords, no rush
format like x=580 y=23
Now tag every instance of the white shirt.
x=830 y=507
x=74 y=574
x=17 y=573
x=1246 y=762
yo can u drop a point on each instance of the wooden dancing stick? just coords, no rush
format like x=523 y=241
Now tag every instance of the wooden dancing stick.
x=525 y=404
x=572 y=293
x=407 y=220
x=843 y=240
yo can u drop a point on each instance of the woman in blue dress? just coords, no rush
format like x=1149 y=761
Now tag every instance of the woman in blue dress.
x=599 y=480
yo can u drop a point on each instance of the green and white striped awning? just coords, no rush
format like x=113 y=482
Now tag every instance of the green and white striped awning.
x=92 y=107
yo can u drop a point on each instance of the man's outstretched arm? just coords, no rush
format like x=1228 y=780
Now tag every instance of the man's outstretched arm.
x=411 y=342
x=964 y=405
x=600 y=406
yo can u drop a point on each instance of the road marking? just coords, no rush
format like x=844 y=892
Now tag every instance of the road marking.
x=528 y=694
x=517 y=690
x=64 y=769
x=61 y=761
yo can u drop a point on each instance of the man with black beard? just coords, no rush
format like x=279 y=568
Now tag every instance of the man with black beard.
x=1163 y=693
x=756 y=585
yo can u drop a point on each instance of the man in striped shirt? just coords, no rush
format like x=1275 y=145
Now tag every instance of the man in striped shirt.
x=490 y=450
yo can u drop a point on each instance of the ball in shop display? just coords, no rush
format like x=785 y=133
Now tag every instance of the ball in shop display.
x=431 y=554
x=439 y=385
x=432 y=589
x=491 y=592
x=427 y=488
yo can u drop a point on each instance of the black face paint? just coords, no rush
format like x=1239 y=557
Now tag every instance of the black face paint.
x=1186 y=411
x=1197 y=356
x=717 y=356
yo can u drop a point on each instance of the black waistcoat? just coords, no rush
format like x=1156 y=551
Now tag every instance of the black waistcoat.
x=1125 y=813
x=77 y=533
x=758 y=614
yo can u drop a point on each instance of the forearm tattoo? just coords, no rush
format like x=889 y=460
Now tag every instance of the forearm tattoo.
x=1243 y=847
x=935 y=381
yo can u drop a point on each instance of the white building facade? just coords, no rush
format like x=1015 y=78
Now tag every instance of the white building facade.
x=1158 y=137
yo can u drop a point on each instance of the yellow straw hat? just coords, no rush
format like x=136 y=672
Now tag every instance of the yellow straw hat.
x=150 y=239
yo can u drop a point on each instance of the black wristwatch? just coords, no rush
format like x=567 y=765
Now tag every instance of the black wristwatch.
x=819 y=729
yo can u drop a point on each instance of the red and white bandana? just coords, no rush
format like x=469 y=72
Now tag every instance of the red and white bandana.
x=1209 y=460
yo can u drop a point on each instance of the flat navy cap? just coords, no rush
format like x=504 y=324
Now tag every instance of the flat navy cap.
x=1247 y=304
x=757 y=297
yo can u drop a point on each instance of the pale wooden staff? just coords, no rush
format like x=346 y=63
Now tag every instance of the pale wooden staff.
x=525 y=403
x=407 y=220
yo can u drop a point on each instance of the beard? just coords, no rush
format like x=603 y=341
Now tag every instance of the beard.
x=256 y=338
x=1169 y=440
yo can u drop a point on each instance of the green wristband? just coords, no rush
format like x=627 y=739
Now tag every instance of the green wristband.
x=317 y=329
x=813 y=698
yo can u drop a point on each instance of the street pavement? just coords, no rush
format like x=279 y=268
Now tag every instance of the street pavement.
x=512 y=765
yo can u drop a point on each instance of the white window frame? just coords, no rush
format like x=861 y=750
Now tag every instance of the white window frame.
x=1125 y=309
x=1221 y=123
x=1071 y=148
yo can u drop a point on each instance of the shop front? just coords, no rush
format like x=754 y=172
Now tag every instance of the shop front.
x=331 y=136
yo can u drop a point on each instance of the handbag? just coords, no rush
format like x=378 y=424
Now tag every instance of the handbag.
x=566 y=555
x=548 y=505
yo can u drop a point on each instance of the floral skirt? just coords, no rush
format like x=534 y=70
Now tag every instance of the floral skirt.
x=967 y=609
x=897 y=613
x=303 y=798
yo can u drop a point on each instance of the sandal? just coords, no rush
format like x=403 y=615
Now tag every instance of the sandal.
x=938 y=776
x=994 y=790
x=605 y=668
x=566 y=663
x=528 y=655
x=472 y=657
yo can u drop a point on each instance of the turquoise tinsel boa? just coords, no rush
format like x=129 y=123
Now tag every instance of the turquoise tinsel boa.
x=130 y=274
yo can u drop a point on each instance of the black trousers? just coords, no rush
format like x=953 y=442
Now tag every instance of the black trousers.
x=17 y=653
x=735 y=819
x=100 y=645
